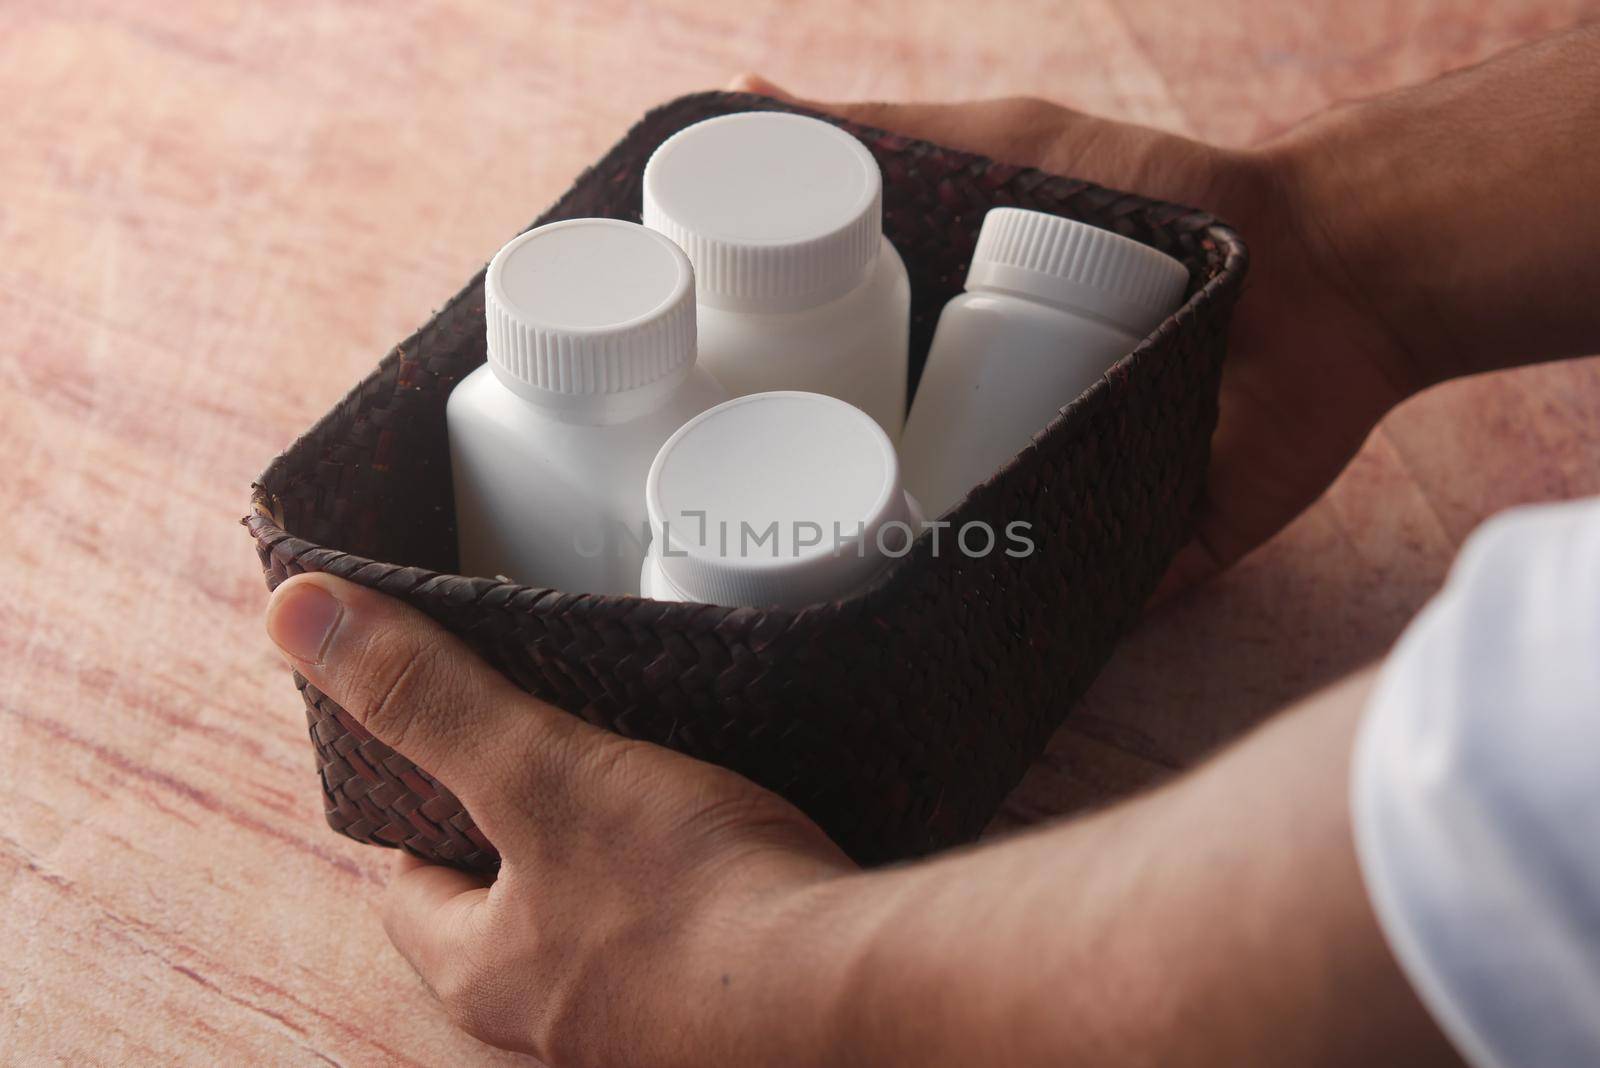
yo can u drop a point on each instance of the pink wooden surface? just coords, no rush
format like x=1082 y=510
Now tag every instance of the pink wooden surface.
x=215 y=216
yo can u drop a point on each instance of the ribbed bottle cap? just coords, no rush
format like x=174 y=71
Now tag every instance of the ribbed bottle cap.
x=777 y=212
x=588 y=306
x=776 y=499
x=1081 y=266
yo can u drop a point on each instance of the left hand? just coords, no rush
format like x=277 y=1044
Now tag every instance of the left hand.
x=650 y=909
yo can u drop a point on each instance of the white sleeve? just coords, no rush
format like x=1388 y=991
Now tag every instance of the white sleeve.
x=1476 y=794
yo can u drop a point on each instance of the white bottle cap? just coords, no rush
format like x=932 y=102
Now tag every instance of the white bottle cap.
x=777 y=212
x=776 y=499
x=588 y=306
x=1077 y=265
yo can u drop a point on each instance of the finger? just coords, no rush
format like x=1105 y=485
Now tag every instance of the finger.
x=906 y=118
x=430 y=913
x=750 y=82
x=1194 y=565
x=1015 y=130
x=1016 y=124
x=419 y=689
x=1018 y=130
x=1030 y=132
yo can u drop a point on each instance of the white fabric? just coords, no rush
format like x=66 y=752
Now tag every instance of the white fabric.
x=1476 y=794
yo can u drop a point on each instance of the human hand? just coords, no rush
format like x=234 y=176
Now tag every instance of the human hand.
x=1310 y=368
x=650 y=909
x=653 y=910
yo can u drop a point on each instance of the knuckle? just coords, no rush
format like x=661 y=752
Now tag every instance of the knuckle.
x=749 y=818
x=393 y=677
x=621 y=784
x=632 y=783
x=1031 y=111
x=615 y=762
x=537 y=771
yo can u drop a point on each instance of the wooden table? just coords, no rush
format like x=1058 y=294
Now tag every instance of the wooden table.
x=214 y=217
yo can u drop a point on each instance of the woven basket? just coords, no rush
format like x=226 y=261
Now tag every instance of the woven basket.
x=898 y=719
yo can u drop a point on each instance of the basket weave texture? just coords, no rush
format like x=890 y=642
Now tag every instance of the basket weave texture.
x=899 y=718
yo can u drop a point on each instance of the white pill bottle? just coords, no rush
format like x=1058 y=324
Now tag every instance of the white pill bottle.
x=591 y=366
x=782 y=217
x=1050 y=305
x=782 y=498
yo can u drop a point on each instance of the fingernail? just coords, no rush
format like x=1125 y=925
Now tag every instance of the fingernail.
x=302 y=620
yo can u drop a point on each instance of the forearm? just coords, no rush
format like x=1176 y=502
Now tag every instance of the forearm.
x=1460 y=212
x=1220 y=920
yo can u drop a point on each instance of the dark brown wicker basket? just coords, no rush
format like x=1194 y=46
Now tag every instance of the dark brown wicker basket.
x=899 y=718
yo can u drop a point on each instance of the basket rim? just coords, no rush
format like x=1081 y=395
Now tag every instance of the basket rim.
x=265 y=522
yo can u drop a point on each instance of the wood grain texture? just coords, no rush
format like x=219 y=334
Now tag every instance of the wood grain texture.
x=189 y=189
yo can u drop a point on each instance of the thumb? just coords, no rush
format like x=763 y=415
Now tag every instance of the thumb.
x=420 y=690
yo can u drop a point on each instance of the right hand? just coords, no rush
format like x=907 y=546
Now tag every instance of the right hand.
x=1310 y=370
x=650 y=909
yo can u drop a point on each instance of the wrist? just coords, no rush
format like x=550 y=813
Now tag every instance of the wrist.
x=869 y=985
x=781 y=965
x=844 y=979
x=1454 y=211
x=1346 y=212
